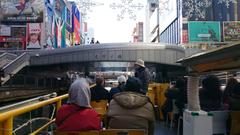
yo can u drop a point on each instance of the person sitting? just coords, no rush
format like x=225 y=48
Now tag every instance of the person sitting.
x=78 y=115
x=234 y=98
x=98 y=92
x=210 y=95
x=229 y=89
x=131 y=109
x=120 y=87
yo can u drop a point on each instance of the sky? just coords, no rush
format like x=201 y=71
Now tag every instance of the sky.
x=107 y=29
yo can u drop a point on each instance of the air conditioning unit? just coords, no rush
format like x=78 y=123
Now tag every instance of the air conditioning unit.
x=153 y=6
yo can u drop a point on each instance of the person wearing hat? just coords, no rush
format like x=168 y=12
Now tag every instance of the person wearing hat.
x=120 y=87
x=143 y=74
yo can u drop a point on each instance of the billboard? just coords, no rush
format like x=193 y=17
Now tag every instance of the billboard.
x=204 y=31
x=231 y=31
x=21 y=11
x=34 y=36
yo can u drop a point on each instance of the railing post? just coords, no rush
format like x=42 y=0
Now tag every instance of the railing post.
x=59 y=103
x=8 y=126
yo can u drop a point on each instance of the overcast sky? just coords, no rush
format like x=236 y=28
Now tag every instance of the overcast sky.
x=107 y=29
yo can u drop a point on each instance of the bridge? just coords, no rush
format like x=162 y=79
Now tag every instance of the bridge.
x=42 y=70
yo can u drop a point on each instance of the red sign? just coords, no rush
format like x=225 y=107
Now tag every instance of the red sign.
x=185 y=36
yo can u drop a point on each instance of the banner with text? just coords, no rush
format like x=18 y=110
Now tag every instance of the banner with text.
x=204 y=31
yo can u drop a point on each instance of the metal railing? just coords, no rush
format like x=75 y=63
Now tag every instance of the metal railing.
x=6 y=118
x=18 y=63
x=6 y=58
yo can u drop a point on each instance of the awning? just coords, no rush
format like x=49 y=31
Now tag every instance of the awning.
x=220 y=59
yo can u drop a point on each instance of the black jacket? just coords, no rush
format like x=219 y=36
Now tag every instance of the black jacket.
x=144 y=75
x=99 y=93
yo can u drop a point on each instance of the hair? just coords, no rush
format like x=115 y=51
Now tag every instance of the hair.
x=99 y=80
x=230 y=85
x=212 y=86
x=133 y=84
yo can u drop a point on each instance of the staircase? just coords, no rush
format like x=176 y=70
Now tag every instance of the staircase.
x=10 y=64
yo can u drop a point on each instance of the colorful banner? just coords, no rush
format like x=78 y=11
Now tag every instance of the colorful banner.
x=21 y=11
x=204 y=31
x=231 y=31
x=34 y=36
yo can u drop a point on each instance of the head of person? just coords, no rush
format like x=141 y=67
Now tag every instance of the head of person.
x=121 y=80
x=33 y=37
x=133 y=84
x=180 y=83
x=79 y=93
x=236 y=89
x=139 y=63
x=100 y=81
x=211 y=85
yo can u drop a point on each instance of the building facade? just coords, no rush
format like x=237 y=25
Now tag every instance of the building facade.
x=138 y=32
x=39 y=24
x=194 y=24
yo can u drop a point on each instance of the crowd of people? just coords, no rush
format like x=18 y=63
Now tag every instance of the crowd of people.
x=130 y=108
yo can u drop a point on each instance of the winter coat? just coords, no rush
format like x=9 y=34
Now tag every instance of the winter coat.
x=74 y=118
x=130 y=110
x=99 y=93
x=144 y=75
x=234 y=103
x=116 y=90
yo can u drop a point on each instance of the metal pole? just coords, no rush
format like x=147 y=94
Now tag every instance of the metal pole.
x=8 y=126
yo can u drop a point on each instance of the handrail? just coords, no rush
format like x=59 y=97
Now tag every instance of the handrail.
x=15 y=63
x=43 y=127
x=6 y=118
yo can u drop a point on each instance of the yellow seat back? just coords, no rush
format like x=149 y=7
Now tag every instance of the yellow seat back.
x=76 y=132
x=235 y=123
x=100 y=107
x=123 y=132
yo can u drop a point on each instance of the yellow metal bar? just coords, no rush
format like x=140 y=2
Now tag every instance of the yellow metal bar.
x=4 y=116
x=43 y=127
x=8 y=126
x=1 y=128
x=59 y=104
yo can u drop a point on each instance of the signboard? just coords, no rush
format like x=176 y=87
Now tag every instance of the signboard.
x=231 y=31
x=21 y=11
x=33 y=36
x=204 y=31
x=184 y=36
x=5 y=30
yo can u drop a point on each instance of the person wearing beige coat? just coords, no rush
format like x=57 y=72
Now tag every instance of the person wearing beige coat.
x=131 y=109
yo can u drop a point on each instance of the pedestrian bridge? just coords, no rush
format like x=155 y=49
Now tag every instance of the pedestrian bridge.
x=114 y=52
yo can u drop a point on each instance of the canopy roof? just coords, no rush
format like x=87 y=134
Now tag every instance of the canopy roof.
x=221 y=59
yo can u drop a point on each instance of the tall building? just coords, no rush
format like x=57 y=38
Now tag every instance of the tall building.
x=39 y=24
x=138 y=32
x=194 y=24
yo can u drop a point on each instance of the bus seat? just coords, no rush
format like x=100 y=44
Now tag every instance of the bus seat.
x=235 y=123
x=92 y=132
x=123 y=132
x=100 y=107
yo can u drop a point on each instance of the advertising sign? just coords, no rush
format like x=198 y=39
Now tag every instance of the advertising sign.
x=204 y=31
x=33 y=36
x=21 y=10
x=5 y=30
x=231 y=31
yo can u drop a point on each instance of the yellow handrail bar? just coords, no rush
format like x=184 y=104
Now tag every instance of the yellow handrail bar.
x=43 y=127
x=6 y=118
